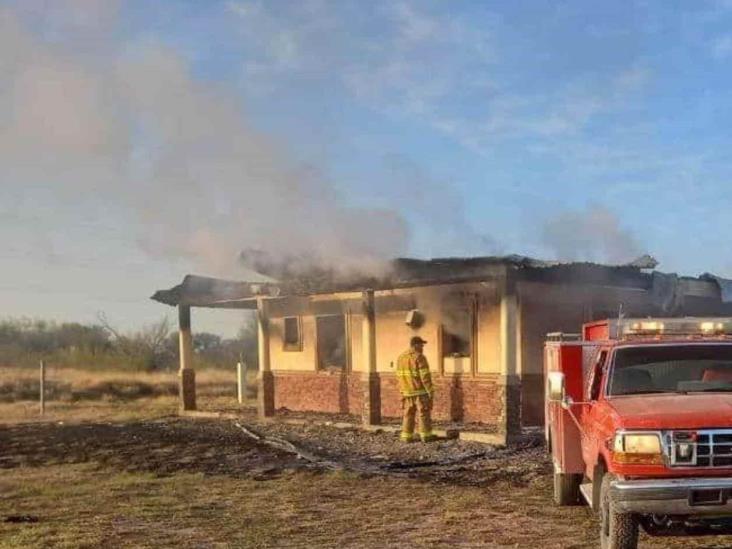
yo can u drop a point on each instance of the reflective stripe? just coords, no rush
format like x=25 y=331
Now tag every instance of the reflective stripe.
x=415 y=393
x=413 y=374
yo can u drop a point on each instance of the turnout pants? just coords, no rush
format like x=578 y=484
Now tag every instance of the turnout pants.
x=417 y=405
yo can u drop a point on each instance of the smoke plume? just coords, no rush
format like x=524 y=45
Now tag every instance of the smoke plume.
x=129 y=125
x=591 y=235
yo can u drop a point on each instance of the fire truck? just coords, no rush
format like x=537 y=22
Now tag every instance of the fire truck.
x=639 y=425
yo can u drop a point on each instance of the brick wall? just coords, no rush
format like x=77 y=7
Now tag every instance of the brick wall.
x=483 y=399
x=318 y=392
x=458 y=397
x=532 y=399
x=391 y=401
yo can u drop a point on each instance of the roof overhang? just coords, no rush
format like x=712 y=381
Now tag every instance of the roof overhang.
x=202 y=291
x=216 y=293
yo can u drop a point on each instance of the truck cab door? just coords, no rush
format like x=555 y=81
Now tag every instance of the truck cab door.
x=592 y=412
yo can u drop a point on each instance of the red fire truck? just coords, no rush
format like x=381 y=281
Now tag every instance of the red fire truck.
x=639 y=425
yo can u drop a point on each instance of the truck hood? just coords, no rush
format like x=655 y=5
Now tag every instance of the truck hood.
x=670 y=411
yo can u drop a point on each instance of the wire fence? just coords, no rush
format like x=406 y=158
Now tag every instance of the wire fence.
x=38 y=392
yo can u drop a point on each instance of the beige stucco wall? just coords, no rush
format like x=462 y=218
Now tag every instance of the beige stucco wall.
x=457 y=365
x=306 y=359
x=489 y=327
x=434 y=302
x=392 y=332
x=356 y=329
x=306 y=308
x=281 y=359
x=540 y=308
x=545 y=308
x=392 y=338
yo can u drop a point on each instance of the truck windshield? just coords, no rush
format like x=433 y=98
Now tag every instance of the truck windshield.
x=671 y=369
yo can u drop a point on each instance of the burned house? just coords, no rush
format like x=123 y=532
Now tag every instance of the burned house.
x=330 y=346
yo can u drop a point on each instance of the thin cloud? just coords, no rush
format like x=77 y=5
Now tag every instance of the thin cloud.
x=409 y=59
x=722 y=47
x=426 y=64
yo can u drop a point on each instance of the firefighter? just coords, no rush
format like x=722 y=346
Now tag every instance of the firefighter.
x=415 y=386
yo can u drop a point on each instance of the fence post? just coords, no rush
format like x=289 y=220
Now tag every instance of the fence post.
x=42 y=389
x=241 y=381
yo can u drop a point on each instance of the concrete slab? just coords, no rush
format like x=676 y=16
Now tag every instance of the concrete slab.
x=381 y=428
x=452 y=433
x=485 y=438
x=207 y=415
x=294 y=421
x=447 y=433
x=344 y=425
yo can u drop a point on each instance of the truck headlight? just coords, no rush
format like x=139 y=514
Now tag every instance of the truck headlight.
x=639 y=448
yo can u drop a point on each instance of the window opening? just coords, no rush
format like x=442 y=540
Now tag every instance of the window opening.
x=293 y=334
x=457 y=332
x=331 y=332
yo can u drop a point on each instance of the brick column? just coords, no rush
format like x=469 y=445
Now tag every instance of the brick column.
x=186 y=374
x=509 y=422
x=265 y=378
x=371 y=413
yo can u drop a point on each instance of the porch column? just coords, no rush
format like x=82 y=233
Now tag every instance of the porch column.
x=371 y=414
x=186 y=374
x=510 y=376
x=265 y=378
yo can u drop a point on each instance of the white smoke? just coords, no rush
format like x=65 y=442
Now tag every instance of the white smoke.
x=594 y=234
x=130 y=126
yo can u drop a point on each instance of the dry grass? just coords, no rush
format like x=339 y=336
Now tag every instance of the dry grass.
x=297 y=510
x=93 y=502
x=88 y=378
x=80 y=395
x=84 y=506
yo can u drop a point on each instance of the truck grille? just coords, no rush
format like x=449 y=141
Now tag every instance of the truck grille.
x=703 y=448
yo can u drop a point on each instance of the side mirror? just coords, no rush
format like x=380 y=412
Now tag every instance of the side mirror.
x=555 y=387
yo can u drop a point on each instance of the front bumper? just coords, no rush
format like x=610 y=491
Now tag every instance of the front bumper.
x=683 y=496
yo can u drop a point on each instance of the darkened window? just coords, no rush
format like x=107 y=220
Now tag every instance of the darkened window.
x=331 y=332
x=292 y=336
x=456 y=335
x=596 y=375
x=679 y=368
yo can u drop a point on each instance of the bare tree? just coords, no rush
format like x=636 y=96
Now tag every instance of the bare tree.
x=148 y=347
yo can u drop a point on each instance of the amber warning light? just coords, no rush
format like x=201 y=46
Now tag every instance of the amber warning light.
x=677 y=326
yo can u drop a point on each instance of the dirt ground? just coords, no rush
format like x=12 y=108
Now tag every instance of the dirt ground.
x=203 y=483
x=127 y=472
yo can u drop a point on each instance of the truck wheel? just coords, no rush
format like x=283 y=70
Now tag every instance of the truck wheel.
x=617 y=530
x=566 y=489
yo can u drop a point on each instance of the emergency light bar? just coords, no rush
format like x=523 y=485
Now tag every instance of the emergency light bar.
x=643 y=327
x=658 y=327
x=676 y=326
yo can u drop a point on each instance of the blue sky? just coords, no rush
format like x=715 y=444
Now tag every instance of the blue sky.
x=573 y=130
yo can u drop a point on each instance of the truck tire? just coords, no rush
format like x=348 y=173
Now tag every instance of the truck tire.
x=617 y=530
x=566 y=489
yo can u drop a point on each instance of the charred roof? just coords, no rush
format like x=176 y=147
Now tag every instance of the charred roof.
x=297 y=277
